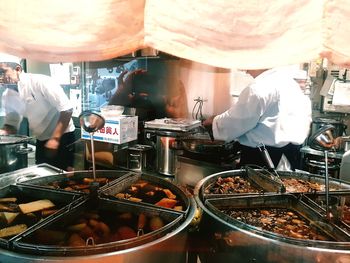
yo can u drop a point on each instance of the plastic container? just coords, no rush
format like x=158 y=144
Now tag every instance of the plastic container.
x=110 y=111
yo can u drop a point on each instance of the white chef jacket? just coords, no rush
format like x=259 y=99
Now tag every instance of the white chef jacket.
x=40 y=99
x=272 y=110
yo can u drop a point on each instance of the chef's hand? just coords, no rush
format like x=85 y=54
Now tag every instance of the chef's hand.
x=338 y=143
x=208 y=122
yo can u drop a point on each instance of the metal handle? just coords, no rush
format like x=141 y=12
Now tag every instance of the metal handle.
x=23 y=150
x=266 y=156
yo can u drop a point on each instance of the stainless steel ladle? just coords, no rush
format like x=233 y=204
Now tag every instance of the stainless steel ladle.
x=91 y=122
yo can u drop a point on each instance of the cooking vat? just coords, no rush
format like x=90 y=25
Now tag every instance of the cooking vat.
x=229 y=240
x=169 y=241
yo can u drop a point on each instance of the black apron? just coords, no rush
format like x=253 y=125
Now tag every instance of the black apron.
x=251 y=155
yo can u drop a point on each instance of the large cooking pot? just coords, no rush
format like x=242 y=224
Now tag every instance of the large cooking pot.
x=227 y=238
x=162 y=233
x=13 y=152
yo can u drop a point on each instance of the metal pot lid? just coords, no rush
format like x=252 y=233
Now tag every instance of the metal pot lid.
x=12 y=139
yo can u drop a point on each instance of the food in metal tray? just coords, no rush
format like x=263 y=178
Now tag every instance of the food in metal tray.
x=144 y=191
x=230 y=185
x=80 y=185
x=280 y=221
x=94 y=227
x=238 y=185
x=16 y=215
x=294 y=185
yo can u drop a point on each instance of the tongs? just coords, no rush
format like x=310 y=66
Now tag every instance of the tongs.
x=271 y=167
x=268 y=180
x=264 y=179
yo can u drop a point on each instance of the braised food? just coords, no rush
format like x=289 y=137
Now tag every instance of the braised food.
x=80 y=185
x=280 y=221
x=144 y=191
x=231 y=185
x=95 y=227
x=294 y=185
x=16 y=214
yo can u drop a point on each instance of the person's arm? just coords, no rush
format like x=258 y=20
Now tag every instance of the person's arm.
x=61 y=126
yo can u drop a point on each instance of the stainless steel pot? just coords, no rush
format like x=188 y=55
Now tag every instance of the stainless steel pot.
x=167 y=152
x=13 y=152
x=140 y=157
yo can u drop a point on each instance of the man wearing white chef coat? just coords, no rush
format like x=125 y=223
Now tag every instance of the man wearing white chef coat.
x=272 y=110
x=48 y=110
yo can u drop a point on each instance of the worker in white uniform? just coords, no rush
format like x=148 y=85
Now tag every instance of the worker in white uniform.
x=48 y=110
x=272 y=111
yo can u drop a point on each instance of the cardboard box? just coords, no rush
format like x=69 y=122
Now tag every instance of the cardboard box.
x=117 y=130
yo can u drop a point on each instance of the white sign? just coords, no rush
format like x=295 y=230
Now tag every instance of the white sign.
x=118 y=130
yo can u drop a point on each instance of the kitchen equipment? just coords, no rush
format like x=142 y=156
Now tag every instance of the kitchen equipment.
x=323 y=138
x=13 y=152
x=140 y=157
x=225 y=239
x=173 y=124
x=204 y=146
x=346 y=140
x=167 y=152
x=266 y=180
x=273 y=176
x=163 y=233
x=339 y=126
x=168 y=132
x=344 y=172
x=91 y=122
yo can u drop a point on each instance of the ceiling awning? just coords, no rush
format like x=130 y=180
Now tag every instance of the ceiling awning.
x=229 y=34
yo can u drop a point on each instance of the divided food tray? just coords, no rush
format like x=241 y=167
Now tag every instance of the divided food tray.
x=148 y=190
x=18 y=213
x=97 y=226
x=251 y=205
x=206 y=190
x=78 y=181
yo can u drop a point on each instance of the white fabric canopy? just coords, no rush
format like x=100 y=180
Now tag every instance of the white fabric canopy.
x=230 y=34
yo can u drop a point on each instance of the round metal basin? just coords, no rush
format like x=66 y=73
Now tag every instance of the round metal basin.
x=151 y=244
x=228 y=239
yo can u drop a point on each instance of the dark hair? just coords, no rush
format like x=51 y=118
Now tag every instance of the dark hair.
x=12 y=65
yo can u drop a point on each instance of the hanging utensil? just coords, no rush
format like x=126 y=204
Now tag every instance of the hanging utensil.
x=92 y=122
